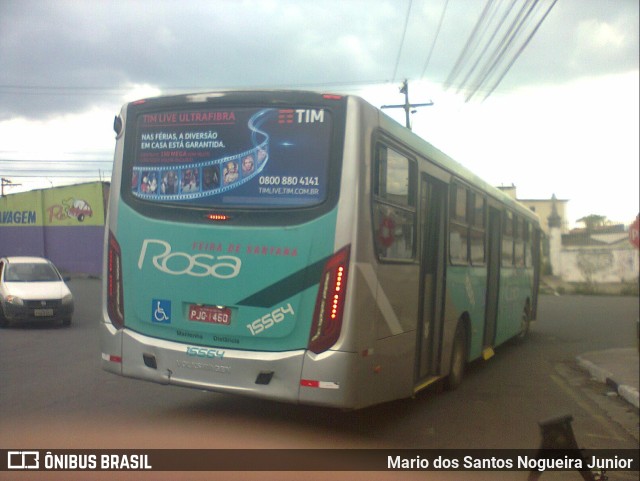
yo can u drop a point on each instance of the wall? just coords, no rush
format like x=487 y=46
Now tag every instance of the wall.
x=64 y=224
x=600 y=265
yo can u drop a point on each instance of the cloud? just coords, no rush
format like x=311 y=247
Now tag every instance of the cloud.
x=570 y=98
x=67 y=56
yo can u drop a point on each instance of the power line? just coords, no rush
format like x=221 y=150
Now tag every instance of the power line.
x=465 y=50
x=63 y=175
x=81 y=90
x=45 y=175
x=6 y=183
x=487 y=44
x=496 y=49
x=435 y=38
x=505 y=44
x=404 y=33
x=520 y=50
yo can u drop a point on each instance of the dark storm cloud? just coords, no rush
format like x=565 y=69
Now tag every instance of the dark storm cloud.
x=61 y=57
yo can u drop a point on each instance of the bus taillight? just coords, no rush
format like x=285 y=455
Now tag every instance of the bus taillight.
x=327 y=317
x=115 y=302
x=217 y=217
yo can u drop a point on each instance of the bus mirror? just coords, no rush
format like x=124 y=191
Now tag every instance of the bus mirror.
x=117 y=125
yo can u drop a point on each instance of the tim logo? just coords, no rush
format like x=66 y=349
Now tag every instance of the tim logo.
x=23 y=460
x=300 y=116
x=285 y=116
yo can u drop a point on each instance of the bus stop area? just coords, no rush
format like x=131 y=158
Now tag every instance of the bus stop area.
x=617 y=368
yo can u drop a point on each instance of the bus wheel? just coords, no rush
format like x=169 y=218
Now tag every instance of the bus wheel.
x=458 y=359
x=525 y=323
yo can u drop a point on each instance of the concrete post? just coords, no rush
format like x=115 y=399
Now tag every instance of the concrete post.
x=555 y=239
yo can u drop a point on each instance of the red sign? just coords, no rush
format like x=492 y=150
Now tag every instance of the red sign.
x=634 y=236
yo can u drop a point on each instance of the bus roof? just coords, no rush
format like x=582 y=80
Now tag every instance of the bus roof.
x=406 y=136
x=418 y=144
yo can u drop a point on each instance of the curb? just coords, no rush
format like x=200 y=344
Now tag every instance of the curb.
x=628 y=393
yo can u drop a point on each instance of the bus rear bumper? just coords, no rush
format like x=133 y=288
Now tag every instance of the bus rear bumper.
x=277 y=376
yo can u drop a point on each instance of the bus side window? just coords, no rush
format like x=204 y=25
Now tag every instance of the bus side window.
x=518 y=242
x=527 y=244
x=507 y=240
x=477 y=232
x=394 y=211
x=458 y=226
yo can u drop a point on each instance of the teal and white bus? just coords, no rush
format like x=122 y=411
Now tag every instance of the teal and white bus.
x=305 y=248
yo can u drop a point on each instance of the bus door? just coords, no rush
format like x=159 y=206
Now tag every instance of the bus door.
x=433 y=197
x=493 y=276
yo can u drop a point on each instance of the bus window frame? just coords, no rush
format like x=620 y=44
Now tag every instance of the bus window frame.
x=458 y=223
x=469 y=222
x=519 y=260
x=379 y=140
x=480 y=229
x=507 y=238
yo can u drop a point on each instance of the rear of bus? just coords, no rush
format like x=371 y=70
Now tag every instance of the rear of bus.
x=223 y=267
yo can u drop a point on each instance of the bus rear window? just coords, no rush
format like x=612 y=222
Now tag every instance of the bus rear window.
x=234 y=157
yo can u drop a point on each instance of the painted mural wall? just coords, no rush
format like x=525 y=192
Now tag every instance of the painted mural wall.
x=64 y=224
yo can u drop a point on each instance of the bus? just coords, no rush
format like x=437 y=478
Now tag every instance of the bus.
x=305 y=248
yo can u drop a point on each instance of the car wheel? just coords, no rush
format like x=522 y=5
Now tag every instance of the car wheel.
x=3 y=320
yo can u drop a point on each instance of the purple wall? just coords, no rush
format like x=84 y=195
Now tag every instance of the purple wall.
x=76 y=250
x=21 y=241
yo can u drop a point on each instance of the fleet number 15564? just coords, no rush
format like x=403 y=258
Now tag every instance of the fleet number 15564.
x=269 y=320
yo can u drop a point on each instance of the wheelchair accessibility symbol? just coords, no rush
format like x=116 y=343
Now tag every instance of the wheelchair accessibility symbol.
x=161 y=311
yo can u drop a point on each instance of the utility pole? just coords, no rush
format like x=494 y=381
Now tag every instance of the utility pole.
x=407 y=106
x=6 y=183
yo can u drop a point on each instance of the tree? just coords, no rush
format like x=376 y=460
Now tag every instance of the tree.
x=592 y=221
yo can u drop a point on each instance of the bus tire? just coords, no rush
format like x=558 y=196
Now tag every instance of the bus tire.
x=458 y=359
x=525 y=323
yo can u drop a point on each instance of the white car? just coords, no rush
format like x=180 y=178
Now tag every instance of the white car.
x=32 y=290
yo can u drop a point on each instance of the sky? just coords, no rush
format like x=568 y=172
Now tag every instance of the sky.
x=556 y=114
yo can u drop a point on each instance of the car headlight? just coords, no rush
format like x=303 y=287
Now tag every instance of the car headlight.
x=68 y=299
x=15 y=300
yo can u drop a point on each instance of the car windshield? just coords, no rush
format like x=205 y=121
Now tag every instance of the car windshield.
x=31 y=273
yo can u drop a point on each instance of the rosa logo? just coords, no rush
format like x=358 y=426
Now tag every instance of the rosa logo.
x=181 y=263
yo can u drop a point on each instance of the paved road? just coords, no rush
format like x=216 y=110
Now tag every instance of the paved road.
x=53 y=394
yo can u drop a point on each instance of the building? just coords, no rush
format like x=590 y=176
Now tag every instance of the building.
x=597 y=255
x=543 y=207
x=63 y=224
